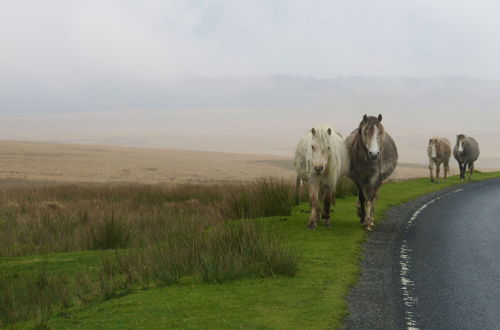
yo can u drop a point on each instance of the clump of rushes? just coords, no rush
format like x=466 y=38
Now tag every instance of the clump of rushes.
x=225 y=252
x=159 y=235
x=41 y=219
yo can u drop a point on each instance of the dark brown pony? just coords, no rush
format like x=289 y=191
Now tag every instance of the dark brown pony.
x=373 y=157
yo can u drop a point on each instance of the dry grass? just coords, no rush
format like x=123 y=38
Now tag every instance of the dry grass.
x=80 y=163
x=59 y=218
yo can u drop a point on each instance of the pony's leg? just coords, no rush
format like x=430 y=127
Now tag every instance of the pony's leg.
x=368 y=214
x=371 y=220
x=471 y=170
x=462 y=171
x=438 y=167
x=367 y=206
x=446 y=168
x=314 y=202
x=297 y=190
x=361 y=205
x=371 y=197
x=327 y=200
x=431 y=169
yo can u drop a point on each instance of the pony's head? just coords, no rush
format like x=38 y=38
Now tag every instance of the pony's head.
x=433 y=146
x=371 y=133
x=460 y=143
x=320 y=149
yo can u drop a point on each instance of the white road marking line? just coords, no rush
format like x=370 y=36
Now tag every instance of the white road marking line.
x=410 y=300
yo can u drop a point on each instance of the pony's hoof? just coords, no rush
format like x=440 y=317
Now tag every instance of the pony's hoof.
x=328 y=224
x=311 y=227
x=432 y=180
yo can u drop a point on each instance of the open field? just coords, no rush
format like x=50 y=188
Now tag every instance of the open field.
x=311 y=296
x=33 y=161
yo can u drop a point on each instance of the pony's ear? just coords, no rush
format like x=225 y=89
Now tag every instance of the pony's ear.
x=365 y=118
x=379 y=117
x=329 y=130
x=313 y=131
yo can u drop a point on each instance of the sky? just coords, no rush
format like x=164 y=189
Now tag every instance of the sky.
x=63 y=44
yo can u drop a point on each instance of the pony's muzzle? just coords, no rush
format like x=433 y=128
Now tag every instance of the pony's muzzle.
x=318 y=169
x=373 y=154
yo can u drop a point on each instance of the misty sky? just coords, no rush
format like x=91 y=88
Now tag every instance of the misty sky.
x=80 y=48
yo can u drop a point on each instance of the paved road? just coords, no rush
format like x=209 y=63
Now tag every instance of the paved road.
x=439 y=266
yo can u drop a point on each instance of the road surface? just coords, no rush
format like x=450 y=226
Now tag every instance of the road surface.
x=434 y=263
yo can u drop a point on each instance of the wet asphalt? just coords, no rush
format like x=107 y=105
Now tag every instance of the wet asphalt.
x=450 y=264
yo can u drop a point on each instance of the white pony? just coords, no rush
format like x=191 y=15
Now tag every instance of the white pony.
x=320 y=160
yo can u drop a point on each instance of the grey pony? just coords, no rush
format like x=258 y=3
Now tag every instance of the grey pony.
x=466 y=152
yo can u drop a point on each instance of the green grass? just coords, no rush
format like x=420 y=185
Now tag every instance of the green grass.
x=313 y=298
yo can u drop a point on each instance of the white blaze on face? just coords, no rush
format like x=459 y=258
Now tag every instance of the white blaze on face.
x=433 y=150
x=374 y=147
x=460 y=147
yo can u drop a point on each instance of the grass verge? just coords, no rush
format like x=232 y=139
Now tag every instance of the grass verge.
x=313 y=298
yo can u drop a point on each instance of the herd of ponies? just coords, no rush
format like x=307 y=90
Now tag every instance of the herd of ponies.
x=368 y=156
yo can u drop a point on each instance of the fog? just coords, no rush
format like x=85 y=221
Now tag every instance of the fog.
x=248 y=76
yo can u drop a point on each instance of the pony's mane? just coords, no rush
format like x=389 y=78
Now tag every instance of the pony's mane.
x=461 y=136
x=321 y=135
x=371 y=121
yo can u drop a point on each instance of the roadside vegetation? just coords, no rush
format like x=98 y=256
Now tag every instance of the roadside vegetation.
x=148 y=235
x=212 y=257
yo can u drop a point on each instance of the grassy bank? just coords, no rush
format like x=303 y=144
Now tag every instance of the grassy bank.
x=313 y=298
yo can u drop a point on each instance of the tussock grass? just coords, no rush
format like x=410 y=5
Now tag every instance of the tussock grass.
x=345 y=188
x=112 y=233
x=314 y=298
x=229 y=251
x=61 y=218
x=160 y=235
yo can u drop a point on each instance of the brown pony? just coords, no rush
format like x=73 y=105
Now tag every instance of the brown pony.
x=373 y=157
x=439 y=152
